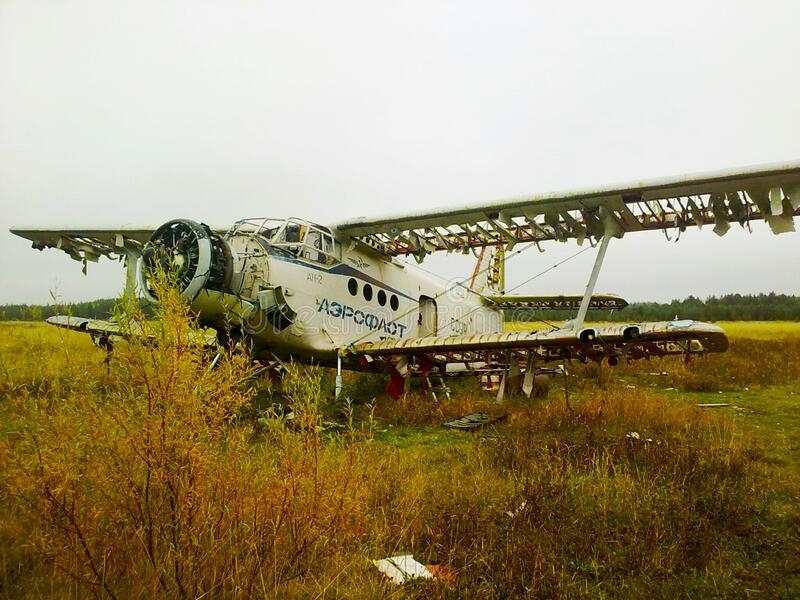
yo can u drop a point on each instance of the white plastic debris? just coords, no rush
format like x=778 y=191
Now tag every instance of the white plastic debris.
x=634 y=435
x=401 y=568
x=514 y=513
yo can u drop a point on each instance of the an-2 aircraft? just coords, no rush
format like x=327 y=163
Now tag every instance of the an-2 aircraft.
x=337 y=295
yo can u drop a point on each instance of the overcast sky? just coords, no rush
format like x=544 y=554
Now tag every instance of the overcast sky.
x=139 y=112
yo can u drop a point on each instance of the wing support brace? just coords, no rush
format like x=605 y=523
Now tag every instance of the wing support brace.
x=577 y=323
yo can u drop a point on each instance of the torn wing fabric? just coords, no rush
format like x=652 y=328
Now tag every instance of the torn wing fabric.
x=770 y=193
x=642 y=340
x=89 y=243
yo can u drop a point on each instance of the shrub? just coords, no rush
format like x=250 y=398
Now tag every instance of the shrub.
x=155 y=487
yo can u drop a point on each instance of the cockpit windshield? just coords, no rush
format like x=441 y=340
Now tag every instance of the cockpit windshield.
x=302 y=238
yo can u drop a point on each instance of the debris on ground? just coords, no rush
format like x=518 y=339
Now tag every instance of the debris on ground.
x=401 y=568
x=712 y=405
x=520 y=508
x=634 y=435
x=474 y=420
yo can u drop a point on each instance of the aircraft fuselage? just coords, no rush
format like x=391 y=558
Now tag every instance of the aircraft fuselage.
x=310 y=295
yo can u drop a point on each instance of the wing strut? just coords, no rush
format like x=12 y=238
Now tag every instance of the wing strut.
x=131 y=261
x=577 y=323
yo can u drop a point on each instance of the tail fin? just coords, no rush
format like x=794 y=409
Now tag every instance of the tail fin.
x=489 y=273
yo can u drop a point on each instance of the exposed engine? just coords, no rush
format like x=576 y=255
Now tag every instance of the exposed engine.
x=201 y=259
x=223 y=278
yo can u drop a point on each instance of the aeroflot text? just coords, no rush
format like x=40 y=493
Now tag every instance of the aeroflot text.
x=359 y=317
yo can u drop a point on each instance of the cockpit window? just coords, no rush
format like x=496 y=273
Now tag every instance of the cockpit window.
x=291 y=233
x=301 y=238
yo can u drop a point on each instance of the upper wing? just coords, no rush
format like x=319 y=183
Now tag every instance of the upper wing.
x=769 y=192
x=592 y=343
x=89 y=243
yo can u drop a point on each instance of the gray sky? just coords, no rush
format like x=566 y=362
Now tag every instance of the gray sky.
x=139 y=112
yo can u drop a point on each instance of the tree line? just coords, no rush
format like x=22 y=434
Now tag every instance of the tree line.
x=93 y=309
x=730 y=307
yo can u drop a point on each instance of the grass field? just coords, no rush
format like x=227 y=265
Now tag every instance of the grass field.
x=152 y=476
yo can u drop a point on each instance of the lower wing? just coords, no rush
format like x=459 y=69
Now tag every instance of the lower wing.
x=105 y=333
x=610 y=342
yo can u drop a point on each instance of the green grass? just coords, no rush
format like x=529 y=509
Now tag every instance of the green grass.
x=259 y=508
x=761 y=330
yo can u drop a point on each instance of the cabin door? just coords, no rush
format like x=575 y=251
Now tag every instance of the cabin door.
x=428 y=319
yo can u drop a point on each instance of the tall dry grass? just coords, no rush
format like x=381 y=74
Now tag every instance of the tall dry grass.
x=156 y=479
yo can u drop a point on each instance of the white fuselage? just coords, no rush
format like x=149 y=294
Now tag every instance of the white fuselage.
x=300 y=303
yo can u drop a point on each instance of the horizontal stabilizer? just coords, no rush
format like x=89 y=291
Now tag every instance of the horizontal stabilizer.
x=598 y=302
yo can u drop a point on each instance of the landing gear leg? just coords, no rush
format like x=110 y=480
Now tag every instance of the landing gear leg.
x=530 y=374
x=338 y=376
x=504 y=381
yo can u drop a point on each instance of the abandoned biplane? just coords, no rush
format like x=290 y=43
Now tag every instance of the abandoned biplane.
x=338 y=295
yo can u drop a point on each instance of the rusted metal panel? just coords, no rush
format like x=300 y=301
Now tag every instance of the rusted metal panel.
x=474 y=421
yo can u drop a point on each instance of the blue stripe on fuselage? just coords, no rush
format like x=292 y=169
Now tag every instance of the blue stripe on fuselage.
x=340 y=269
